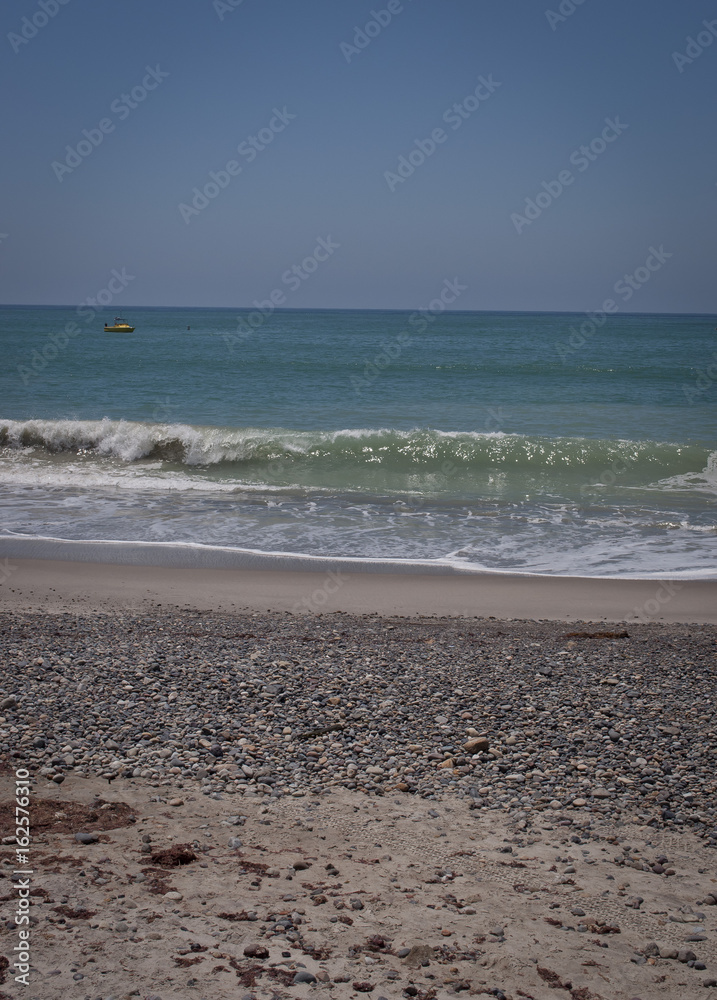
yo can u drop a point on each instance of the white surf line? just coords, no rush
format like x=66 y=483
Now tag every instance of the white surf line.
x=194 y=555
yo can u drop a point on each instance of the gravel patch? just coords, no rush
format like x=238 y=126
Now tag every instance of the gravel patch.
x=517 y=716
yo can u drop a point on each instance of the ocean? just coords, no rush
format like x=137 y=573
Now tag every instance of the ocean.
x=542 y=443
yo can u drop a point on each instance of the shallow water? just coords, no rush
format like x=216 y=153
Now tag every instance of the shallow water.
x=483 y=439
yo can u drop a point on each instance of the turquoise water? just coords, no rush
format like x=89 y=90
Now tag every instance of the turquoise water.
x=488 y=439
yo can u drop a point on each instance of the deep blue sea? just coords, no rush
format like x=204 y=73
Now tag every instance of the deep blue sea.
x=490 y=440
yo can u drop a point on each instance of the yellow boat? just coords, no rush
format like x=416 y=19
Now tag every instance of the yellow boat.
x=119 y=326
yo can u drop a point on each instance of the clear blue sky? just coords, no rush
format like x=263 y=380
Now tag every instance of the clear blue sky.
x=356 y=114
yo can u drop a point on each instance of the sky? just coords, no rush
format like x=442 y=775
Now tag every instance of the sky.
x=376 y=150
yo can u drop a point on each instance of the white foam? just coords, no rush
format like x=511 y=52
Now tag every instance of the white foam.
x=95 y=475
x=694 y=482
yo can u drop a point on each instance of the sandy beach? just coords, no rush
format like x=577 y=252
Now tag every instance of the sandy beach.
x=184 y=895
x=73 y=582
x=285 y=805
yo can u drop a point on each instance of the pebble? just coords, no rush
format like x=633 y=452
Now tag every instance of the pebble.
x=477 y=744
x=256 y=951
x=86 y=838
x=358 y=705
x=417 y=955
x=302 y=976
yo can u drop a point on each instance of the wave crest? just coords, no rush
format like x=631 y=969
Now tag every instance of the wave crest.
x=399 y=450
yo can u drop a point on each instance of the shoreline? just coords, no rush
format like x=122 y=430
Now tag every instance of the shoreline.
x=199 y=555
x=63 y=584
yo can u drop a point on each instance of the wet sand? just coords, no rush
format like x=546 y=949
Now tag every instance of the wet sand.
x=57 y=584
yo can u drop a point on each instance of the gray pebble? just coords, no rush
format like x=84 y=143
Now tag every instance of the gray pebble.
x=86 y=838
x=562 y=698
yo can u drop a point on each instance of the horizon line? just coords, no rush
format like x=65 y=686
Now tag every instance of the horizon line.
x=409 y=309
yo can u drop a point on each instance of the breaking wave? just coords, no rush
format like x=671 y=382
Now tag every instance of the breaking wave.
x=394 y=450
